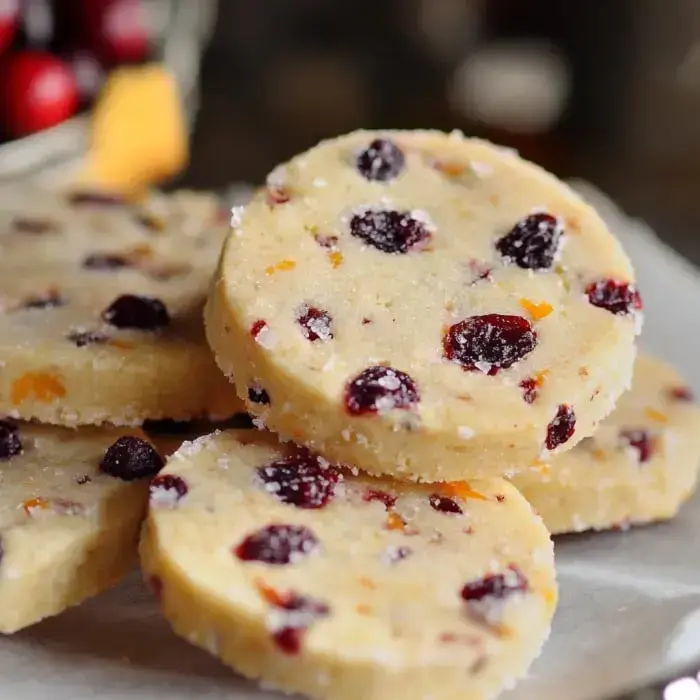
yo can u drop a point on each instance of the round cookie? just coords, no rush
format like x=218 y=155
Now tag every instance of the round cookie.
x=640 y=466
x=424 y=305
x=71 y=507
x=100 y=307
x=344 y=586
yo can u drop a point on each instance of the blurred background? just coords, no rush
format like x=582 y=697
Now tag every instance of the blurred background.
x=607 y=91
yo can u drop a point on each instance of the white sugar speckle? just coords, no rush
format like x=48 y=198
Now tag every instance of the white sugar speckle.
x=483 y=366
x=319 y=182
x=266 y=337
x=481 y=169
x=465 y=432
x=236 y=216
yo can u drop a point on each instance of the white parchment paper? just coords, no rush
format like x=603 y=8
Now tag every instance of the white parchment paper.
x=630 y=603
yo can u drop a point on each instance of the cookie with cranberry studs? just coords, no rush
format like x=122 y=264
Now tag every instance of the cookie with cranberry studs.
x=101 y=304
x=72 y=506
x=640 y=466
x=424 y=305
x=318 y=580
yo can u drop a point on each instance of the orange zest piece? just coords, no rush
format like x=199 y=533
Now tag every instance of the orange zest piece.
x=550 y=597
x=537 y=311
x=655 y=415
x=450 y=168
x=41 y=386
x=33 y=503
x=363 y=609
x=368 y=583
x=461 y=489
x=336 y=259
x=269 y=594
x=282 y=265
x=395 y=522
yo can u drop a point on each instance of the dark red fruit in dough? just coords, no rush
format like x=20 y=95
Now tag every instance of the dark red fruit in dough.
x=257 y=328
x=443 y=504
x=616 y=297
x=533 y=243
x=641 y=441
x=278 y=545
x=258 y=395
x=37 y=91
x=496 y=586
x=388 y=499
x=316 y=324
x=304 y=611
x=681 y=393
x=389 y=231
x=10 y=443
x=139 y=312
x=489 y=343
x=131 y=458
x=106 y=261
x=82 y=339
x=174 y=486
x=379 y=389
x=530 y=389
x=301 y=479
x=561 y=428
x=382 y=160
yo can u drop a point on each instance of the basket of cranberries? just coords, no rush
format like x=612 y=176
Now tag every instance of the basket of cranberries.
x=55 y=55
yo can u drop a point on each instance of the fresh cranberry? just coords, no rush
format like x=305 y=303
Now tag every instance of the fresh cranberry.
x=681 y=393
x=9 y=12
x=616 y=297
x=496 y=586
x=83 y=339
x=37 y=91
x=389 y=231
x=640 y=440
x=530 y=389
x=132 y=311
x=85 y=198
x=257 y=394
x=443 y=504
x=105 y=261
x=377 y=389
x=388 y=499
x=316 y=324
x=561 y=428
x=33 y=227
x=51 y=300
x=10 y=443
x=533 y=243
x=167 y=489
x=383 y=160
x=301 y=479
x=489 y=343
x=278 y=545
x=131 y=458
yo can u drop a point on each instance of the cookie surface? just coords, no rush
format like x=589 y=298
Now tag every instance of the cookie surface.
x=421 y=302
x=640 y=466
x=68 y=530
x=100 y=307
x=340 y=586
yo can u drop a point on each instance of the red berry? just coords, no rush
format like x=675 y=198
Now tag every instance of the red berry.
x=497 y=586
x=9 y=10
x=443 y=504
x=378 y=389
x=382 y=160
x=561 y=428
x=37 y=91
x=530 y=389
x=394 y=232
x=619 y=298
x=316 y=324
x=533 y=243
x=388 y=499
x=278 y=545
x=640 y=440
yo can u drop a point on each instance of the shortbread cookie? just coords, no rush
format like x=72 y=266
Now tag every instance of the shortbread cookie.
x=640 y=466
x=100 y=307
x=70 y=512
x=342 y=586
x=425 y=306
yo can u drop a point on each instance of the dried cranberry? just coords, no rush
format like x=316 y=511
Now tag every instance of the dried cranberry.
x=257 y=327
x=681 y=393
x=497 y=586
x=131 y=458
x=98 y=199
x=640 y=440
x=316 y=324
x=530 y=389
x=167 y=489
x=533 y=243
x=33 y=227
x=84 y=338
x=51 y=300
x=616 y=297
x=288 y=639
x=327 y=242
x=10 y=443
x=388 y=499
x=277 y=194
x=389 y=231
x=383 y=160
x=377 y=389
x=106 y=261
x=443 y=504
x=302 y=611
x=132 y=311
x=301 y=479
x=489 y=343
x=561 y=428
x=257 y=394
x=278 y=545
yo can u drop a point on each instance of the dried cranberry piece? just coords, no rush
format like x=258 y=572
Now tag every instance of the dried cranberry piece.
x=388 y=499
x=316 y=324
x=561 y=428
x=301 y=479
x=640 y=440
x=681 y=393
x=619 y=298
x=132 y=311
x=10 y=443
x=106 y=261
x=257 y=327
x=383 y=160
x=489 y=343
x=377 y=389
x=131 y=458
x=389 y=231
x=97 y=199
x=327 y=242
x=302 y=612
x=497 y=586
x=533 y=242
x=51 y=300
x=530 y=389
x=33 y=227
x=278 y=545
x=443 y=504
x=167 y=489
x=258 y=395
x=82 y=339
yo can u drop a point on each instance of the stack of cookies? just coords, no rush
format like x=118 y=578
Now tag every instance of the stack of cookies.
x=419 y=323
